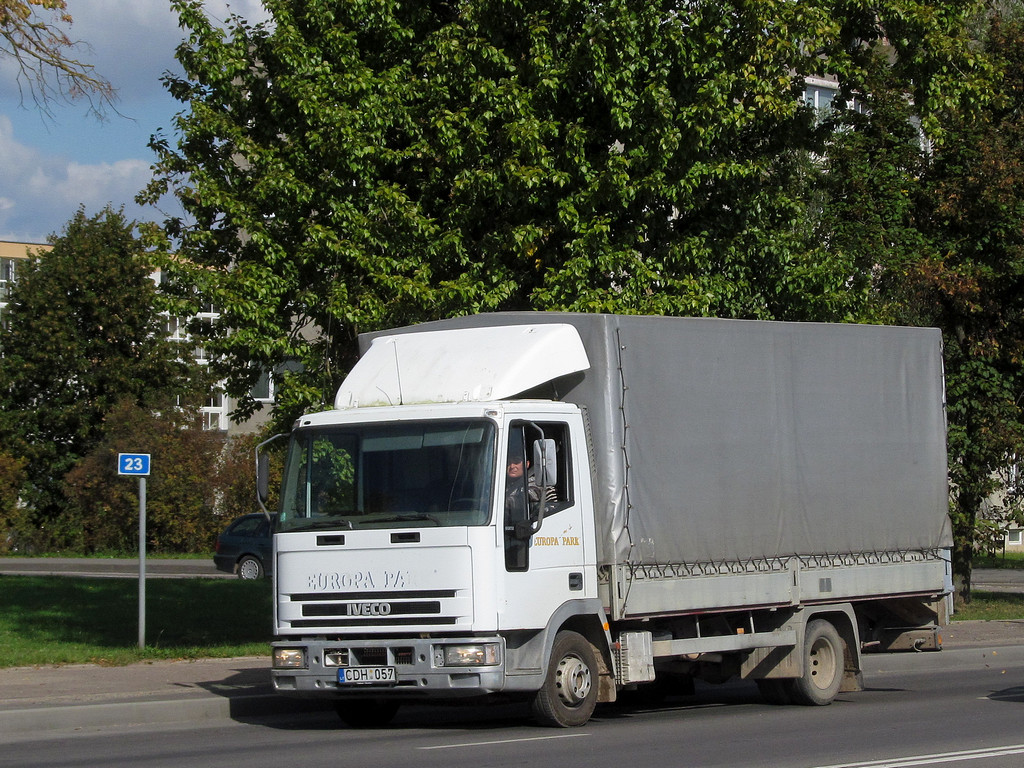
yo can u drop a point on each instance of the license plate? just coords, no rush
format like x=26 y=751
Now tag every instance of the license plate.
x=367 y=676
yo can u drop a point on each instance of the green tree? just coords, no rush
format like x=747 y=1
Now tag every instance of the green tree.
x=82 y=334
x=865 y=186
x=15 y=531
x=354 y=165
x=933 y=234
x=971 y=284
x=236 y=475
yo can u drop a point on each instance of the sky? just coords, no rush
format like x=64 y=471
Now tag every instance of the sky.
x=49 y=168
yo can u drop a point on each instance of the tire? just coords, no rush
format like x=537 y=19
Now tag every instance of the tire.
x=366 y=713
x=569 y=693
x=250 y=568
x=823 y=666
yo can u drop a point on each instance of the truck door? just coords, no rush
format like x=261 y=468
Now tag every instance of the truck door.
x=543 y=528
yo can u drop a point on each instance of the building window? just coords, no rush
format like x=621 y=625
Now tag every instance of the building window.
x=176 y=330
x=6 y=278
x=819 y=97
x=215 y=412
x=1015 y=537
x=263 y=389
x=822 y=95
x=213 y=422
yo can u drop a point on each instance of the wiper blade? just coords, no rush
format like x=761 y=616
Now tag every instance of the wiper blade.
x=310 y=524
x=408 y=519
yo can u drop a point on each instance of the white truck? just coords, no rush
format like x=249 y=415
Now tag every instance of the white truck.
x=700 y=499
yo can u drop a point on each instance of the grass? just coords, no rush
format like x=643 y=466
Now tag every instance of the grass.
x=47 y=620
x=60 y=620
x=1002 y=560
x=991 y=606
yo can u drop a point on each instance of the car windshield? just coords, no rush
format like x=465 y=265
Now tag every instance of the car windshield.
x=385 y=476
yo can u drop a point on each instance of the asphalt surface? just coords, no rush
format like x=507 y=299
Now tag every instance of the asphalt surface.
x=37 y=700
x=103 y=567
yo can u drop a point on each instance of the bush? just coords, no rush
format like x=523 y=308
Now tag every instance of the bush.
x=236 y=482
x=103 y=507
x=15 y=525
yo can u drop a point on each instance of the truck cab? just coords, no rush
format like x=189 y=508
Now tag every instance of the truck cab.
x=434 y=549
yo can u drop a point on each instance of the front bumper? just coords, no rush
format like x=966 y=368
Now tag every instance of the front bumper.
x=418 y=674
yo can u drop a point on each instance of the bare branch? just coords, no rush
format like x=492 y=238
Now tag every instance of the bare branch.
x=35 y=33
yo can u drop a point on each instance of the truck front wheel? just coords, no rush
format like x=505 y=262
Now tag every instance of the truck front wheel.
x=569 y=694
x=823 y=665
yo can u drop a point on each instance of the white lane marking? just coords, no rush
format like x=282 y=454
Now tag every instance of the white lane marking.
x=506 y=741
x=941 y=757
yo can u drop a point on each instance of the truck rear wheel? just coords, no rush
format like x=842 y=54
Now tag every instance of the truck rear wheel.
x=823 y=666
x=366 y=713
x=569 y=694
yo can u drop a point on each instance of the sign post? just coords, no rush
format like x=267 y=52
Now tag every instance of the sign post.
x=137 y=464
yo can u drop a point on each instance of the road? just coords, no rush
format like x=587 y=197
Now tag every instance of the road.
x=156 y=568
x=961 y=707
x=998 y=579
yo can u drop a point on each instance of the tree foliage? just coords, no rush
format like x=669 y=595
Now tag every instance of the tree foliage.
x=936 y=234
x=14 y=523
x=354 y=165
x=972 y=286
x=181 y=514
x=35 y=34
x=82 y=334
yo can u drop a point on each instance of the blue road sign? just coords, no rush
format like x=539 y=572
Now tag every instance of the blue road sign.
x=133 y=464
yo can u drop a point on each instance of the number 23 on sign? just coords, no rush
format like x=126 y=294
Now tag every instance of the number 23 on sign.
x=133 y=463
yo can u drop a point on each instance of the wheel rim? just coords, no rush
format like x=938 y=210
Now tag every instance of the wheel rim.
x=573 y=680
x=249 y=569
x=824 y=663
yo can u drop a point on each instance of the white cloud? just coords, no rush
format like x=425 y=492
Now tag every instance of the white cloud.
x=40 y=192
x=131 y=43
x=51 y=167
x=135 y=50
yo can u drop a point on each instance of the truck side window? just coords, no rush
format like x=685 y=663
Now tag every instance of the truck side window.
x=517 y=501
x=559 y=495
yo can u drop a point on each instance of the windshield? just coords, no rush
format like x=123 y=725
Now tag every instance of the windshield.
x=386 y=476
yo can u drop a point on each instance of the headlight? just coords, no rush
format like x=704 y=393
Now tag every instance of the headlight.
x=289 y=658
x=481 y=655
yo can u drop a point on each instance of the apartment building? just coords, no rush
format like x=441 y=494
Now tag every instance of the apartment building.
x=12 y=256
x=216 y=410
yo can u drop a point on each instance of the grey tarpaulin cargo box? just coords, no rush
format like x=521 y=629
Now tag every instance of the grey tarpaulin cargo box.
x=740 y=444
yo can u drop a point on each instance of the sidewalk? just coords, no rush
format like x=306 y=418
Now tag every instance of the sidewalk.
x=39 y=699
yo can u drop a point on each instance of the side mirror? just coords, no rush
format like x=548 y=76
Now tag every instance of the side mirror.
x=262 y=478
x=545 y=462
x=263 y=475
x=545 y=474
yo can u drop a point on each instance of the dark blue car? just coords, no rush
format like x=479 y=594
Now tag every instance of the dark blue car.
x=245 y=547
